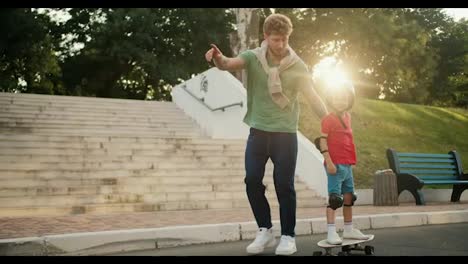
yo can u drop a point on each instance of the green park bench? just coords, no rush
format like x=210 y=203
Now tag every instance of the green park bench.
x=415 y=170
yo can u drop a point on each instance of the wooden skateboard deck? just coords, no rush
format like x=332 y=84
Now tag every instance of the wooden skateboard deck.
x=346 y=247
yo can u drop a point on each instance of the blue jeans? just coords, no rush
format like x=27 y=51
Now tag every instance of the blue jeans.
x=281 y=148
x=342 y=182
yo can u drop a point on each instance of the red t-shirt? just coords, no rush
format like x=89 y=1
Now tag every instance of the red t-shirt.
x=340 y=140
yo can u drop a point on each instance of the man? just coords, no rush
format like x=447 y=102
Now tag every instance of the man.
x=275 y=76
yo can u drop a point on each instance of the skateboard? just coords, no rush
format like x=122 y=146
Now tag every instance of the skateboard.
x=346 y=247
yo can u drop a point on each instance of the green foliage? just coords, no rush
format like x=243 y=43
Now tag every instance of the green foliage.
x=412 y=55
x=27 y=60
x=141 y=52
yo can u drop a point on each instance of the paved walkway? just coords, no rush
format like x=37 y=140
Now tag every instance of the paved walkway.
x=17 y=227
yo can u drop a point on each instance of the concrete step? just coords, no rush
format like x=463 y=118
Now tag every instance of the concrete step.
x=118 y=139
x=130 y=184
x=119 y=174
x=59 y=99
x=145 y=164
x=70 y=116
x=113 y=152
x=67 y=155
x=112 y=127
x=116 y=145
x=99 y=129
x=232 y=181
x=135 y=193
x=78 y=209
x=88 y=113
x=28 y=158
x=78 y=100
x=126 y=184
x=121 y=178
x=140 y=207
x=41 y=105
x=133 y=185
x=162 y=163
x=160 y=123
x=101 y=132
x=173 y=192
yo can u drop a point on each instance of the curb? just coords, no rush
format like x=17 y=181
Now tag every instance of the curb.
x=107 y=242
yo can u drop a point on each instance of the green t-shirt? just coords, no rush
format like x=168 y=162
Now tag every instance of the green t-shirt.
x=262 y=112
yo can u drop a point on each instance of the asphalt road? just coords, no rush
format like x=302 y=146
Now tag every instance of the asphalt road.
x=430 y=240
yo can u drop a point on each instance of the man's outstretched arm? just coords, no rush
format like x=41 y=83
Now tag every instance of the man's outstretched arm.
x=222 y=62
x=315 y=101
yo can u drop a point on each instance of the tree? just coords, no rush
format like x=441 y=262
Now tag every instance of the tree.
x=450 y=85
x=414 y=55
x=27 y=60
x=386 y=51
x=140 y=52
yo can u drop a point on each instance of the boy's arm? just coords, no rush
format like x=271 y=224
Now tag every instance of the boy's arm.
x=331 y=168
x=222 y=62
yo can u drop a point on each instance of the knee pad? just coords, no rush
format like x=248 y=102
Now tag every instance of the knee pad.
x=335 y=201
x=352 y=200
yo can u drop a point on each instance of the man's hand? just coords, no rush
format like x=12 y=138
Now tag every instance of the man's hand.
x=222 y=62
x=213 y=53
x=331 y=168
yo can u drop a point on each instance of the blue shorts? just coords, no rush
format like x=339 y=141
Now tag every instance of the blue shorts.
x=342 y=182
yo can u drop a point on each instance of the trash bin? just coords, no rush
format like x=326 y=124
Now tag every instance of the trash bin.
x=385 y=188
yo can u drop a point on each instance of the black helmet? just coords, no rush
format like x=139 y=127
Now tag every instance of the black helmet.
x=343 y=86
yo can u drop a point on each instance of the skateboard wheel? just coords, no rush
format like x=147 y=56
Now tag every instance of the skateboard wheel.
x=369 y=250
x=317 y=253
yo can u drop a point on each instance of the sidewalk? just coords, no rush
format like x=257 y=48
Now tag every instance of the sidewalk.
x=175 y=226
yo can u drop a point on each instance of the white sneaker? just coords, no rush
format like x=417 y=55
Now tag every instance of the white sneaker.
x=265 y=238
x=355 y=234
x=333 y=238
x=287 y=246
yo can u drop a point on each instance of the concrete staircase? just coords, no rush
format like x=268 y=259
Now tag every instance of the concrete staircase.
x=67 y=155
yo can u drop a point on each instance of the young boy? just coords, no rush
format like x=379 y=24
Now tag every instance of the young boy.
x=337 y=146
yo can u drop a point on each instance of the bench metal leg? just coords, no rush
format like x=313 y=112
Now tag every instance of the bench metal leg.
x=419 y=197
x=457 y=192
x=411 y=184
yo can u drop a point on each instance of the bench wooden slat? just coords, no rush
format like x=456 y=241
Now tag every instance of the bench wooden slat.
x=426 y=160
x=420 y=155
x=449 y=172
x=429 y=182
x=423 y=166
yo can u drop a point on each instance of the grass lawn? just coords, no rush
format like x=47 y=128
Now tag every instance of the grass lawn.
x=378 y=125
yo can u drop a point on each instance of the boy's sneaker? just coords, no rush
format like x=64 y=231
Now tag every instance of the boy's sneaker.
x=264 y=239
x=287 y=246
x=355 y=234
x=334 y=239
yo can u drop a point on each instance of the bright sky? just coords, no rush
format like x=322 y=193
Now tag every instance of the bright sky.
x=457 y=13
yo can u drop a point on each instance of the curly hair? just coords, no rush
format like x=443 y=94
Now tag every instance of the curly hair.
x=277 y=24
